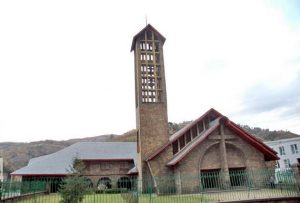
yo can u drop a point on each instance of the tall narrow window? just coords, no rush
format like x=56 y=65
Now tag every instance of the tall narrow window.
x=294 y=149
x=281 y=150
x=277 y=164
x=175 y=147
x=188 y=136
x=182 y=141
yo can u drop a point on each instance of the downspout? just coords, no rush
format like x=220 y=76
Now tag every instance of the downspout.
x=154 y=181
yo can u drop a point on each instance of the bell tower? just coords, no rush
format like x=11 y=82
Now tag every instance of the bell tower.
x=150 y=95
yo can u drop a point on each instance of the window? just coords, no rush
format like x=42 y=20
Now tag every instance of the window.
x=175 y=147
x=210 y=179
x=237 y=176
x=281 y=150
x=188 y=136
x=194 y=132
x=294 y=149
x=181 y=142
x=287 y=163
x=124 y=182
x=277 y=164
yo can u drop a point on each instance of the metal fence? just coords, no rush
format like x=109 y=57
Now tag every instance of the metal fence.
x=209 y=186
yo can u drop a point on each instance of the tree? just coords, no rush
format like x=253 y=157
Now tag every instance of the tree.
x=74 y=186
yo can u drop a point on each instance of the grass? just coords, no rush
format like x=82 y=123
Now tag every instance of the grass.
x=117 y=198
x=189 y=198
x=94 y=198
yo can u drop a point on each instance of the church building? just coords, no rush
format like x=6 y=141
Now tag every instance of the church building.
x=210 y=144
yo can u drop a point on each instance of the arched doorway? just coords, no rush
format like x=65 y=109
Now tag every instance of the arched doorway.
x=212 y=173
x=104 y=183
x=89 y=182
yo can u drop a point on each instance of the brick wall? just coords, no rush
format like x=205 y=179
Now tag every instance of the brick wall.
x=206 y=156
x=111 y=169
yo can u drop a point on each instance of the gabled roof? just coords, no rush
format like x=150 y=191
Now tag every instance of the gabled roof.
x=193 y=144
x=148 y=27
x=269 y=153
x=59 y=162
x=181 y=132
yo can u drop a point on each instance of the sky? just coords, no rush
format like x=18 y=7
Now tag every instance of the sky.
x=66 y=70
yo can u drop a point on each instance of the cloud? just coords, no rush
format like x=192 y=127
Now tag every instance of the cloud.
x=262 y=98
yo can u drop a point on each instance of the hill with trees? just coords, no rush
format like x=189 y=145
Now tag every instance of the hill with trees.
x=17 y=155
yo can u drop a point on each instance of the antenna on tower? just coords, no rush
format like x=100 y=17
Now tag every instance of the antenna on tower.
x=146 y=19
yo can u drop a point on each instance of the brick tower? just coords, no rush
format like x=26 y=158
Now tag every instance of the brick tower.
x=151 y=96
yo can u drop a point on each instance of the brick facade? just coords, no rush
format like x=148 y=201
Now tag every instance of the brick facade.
x=114 y=170
x=182 y=159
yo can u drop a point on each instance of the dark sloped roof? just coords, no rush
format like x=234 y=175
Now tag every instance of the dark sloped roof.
x=148 y=27
x=59 y=162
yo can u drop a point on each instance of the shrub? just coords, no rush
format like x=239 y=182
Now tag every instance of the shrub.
x=74 y=186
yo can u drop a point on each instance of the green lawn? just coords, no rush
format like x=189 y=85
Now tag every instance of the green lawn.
x=117 y=198
x=95 y=198
x=189 y=198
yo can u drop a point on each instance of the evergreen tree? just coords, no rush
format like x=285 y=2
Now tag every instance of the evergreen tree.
x=74 y=186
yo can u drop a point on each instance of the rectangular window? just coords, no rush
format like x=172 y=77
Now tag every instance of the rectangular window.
x=175 y=147
x=287 y=163
x=237 y=177
x=277 y=164
x=281 y=150
x=181 y=141
x=200 y=127
x=194 y=132
x=188 y=136
x=294 y=149
x=210 y=179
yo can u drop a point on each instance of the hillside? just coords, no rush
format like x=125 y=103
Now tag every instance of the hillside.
x=17 y=155
x=263 y=134
x=268 y=135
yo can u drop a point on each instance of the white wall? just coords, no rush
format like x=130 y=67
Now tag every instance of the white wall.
x=289 y=155
x=1 y=169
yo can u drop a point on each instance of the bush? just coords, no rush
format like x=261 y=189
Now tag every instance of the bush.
x=74 y=186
